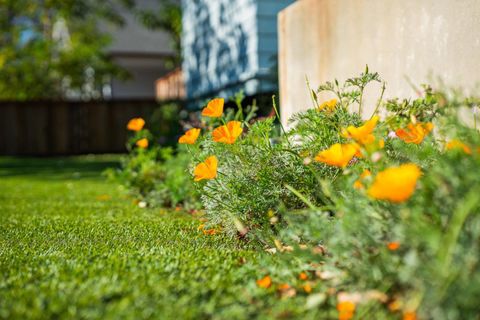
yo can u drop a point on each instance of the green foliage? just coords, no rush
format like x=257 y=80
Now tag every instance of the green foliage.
x=163 y=123
x=159 y=177
x=258 y=171
x=416 y=255
x=270 y=188
x=49 y=49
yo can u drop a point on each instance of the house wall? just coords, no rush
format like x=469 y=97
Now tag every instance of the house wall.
x=140 y=51
x=228 y=45
x=144 y=70
x=327 y=39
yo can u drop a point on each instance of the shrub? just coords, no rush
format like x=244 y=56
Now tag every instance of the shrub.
x=258 y=171
x=375 y=218
x=157 y=176
x=380 y=216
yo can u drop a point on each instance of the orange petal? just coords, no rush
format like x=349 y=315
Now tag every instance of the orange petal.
x=142 y=143
x=393 y=246
x=228 y=133
x=135 y=124
x=265 y=282
x=395 y=184
x=214 y=108
x=338 y=155
x=206 y=170
x=190 y=137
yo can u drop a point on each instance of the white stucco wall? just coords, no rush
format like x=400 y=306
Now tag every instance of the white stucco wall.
x=327 y=39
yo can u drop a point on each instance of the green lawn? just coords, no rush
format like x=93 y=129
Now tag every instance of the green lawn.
x=73 y=246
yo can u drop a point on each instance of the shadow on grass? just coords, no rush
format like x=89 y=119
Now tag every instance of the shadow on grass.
x=78 y=167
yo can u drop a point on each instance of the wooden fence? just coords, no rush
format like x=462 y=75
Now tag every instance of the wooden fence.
x=46 y=128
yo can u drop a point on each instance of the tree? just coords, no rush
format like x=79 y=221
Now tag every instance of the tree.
x=50 y=48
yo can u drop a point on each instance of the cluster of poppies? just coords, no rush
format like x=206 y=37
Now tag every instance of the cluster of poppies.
x=137 y=124
x=226 y=133
x=395 y=184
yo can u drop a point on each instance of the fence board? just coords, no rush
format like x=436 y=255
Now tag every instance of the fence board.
x=48 y=128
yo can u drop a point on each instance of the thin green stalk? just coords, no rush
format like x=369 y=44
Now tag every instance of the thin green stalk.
x=339 y=94
x=360 y=101
x=301 y=197
x=475 y=110
x=240 y=109
x=450 y=240
x=464 y=209
x=280 y=120
x=379 y=101
x=314 y=100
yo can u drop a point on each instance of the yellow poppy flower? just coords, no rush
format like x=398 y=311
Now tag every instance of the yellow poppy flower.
x=346 y=310
x=206 y=170
x=214 y=108
x=328 y=105
x=265 y=282
x=228 y=133
x=307 y=288
x=414 y=133
x=190 y=137
x=362 y=134
x=457 y=144
x=142 y=143
x=135 y=124
x=395 y=184
x=338 y=155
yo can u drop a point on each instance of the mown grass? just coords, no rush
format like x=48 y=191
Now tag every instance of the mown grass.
x=73 y=246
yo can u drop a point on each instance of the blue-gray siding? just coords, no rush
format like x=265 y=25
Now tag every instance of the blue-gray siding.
x=229 y=45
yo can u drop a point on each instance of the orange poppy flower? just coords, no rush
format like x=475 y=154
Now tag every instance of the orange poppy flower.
x=414 y=133
x=303 y=276
x=190 y=137
x=328 y=105
x=395 y=184
x=338 y=155
x=228 y=133
x=206 y=231
x=395 y=305
x=214 y=108
x=457 y=144
x=142 y=143
x=409 y=315
x=206 y=170
x=393 y=246
x=265 y=282
x=135 y=124
x=362 y=134
x=346 y=310
x=209 y=232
